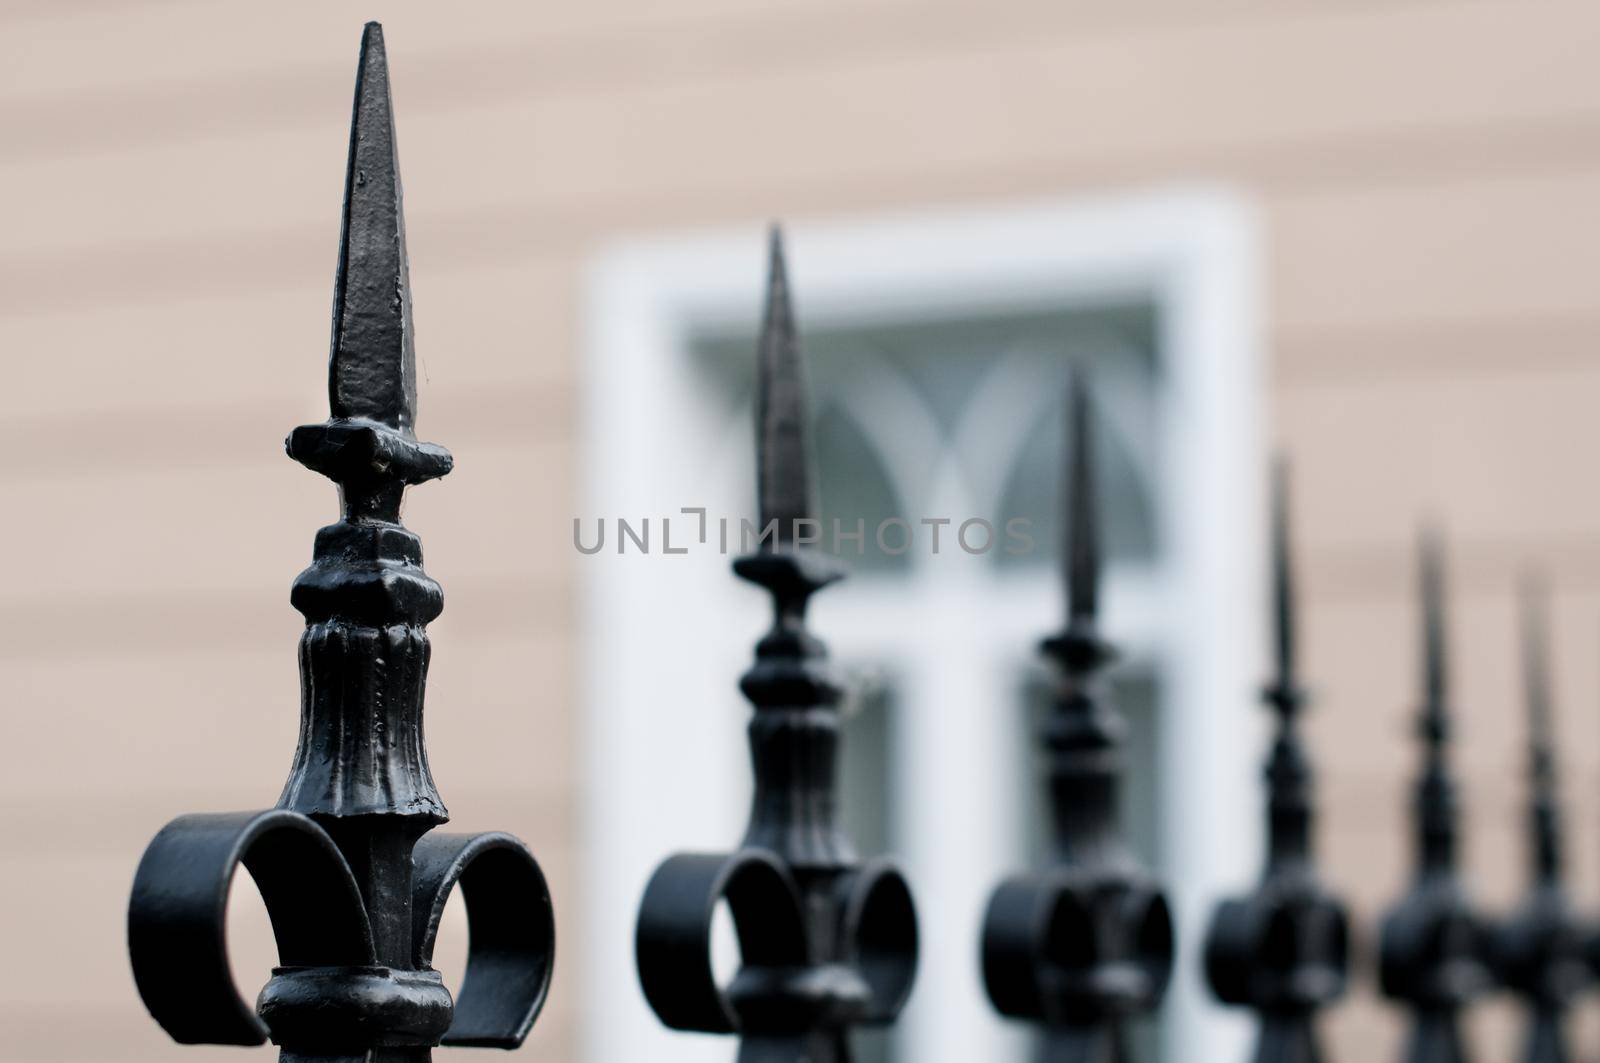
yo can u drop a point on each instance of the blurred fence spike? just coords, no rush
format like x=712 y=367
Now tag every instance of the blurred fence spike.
x=1433 y=950
x=1085 y=943
x=1539 y=951
x=1284 y=951
x=828 y=944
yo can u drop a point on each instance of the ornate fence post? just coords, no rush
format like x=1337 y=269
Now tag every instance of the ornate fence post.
x=1283 y=951
x=827 y=943
x=1539 y=951
x=353 y=882
x=1083 y=944
x=1433 y=948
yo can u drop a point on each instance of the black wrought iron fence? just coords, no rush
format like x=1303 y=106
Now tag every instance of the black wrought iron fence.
x=355 y=877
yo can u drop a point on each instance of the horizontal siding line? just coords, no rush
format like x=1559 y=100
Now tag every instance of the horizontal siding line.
x=1358 y=782
x=175 y=271
x=158 y=437
x=607 y=60
x=34 y=12
x=284 y=259
x=1310 y=357
x=172 y=625
x=161 y=437
x=1331 y=576
x=1478 y=567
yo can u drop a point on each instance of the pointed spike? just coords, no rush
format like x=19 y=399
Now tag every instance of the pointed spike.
x=372 y=370
x=1536 y=666
x=1082 y=500
x=1543 y=798
x=1433 y=631
x=1282 y=575
x=783 y=437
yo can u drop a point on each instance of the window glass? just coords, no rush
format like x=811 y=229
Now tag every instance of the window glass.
x=963 y=419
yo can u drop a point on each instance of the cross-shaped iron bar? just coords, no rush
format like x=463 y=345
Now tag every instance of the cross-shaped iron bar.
x=353 y=882
x=1284 y=951
x=1539 y=950
x=1087 y=942
x=1433 y=949
x=827 y=943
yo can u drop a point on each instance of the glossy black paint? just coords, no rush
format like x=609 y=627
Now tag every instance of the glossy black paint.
x=1087 y=942
x=1284 y=951
x=1539 y=951
x=1433 y=951
x=827 y=943
x=353 y=881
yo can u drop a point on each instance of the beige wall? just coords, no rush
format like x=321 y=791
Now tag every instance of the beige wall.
x=1427 y=176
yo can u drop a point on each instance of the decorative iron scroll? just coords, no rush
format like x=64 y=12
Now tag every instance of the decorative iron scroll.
x=1084 y=944
x=827 y=943
x=353 y=882
x=1284 y=951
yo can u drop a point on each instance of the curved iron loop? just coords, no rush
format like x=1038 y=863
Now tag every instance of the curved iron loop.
x=1539 y=951
x=1283 y=950
x=1432 y=949
x=1067 y=949
x=177 y=916
x=878 y=936
x=673 y=939
x=512 y=932
x=1148 y=943
x=1015 y=929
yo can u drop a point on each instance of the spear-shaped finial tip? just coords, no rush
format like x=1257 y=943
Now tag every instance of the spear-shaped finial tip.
x=1283 y=692
x=783 y=438
x=1541 y=730
x=1431 y=553
x=372 y=370
x=1082 y=501
x=1536 y=664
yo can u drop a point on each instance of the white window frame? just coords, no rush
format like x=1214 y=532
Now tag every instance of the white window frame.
x=663 y=639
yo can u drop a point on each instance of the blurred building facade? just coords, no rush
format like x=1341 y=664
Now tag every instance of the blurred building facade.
x=1411 y=193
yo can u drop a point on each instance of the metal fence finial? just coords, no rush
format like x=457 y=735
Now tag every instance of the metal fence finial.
x=1544 y=808
x=1086 y=943
x=1433 y=949
x=1289 y=774
x=1435 y=705
x=827 y=943
x=1285 y=693
x=1539 y=951
x=373 y=372
x=1284 y=951
x=1082 y=503
x=783 y=434
x=353 y=881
